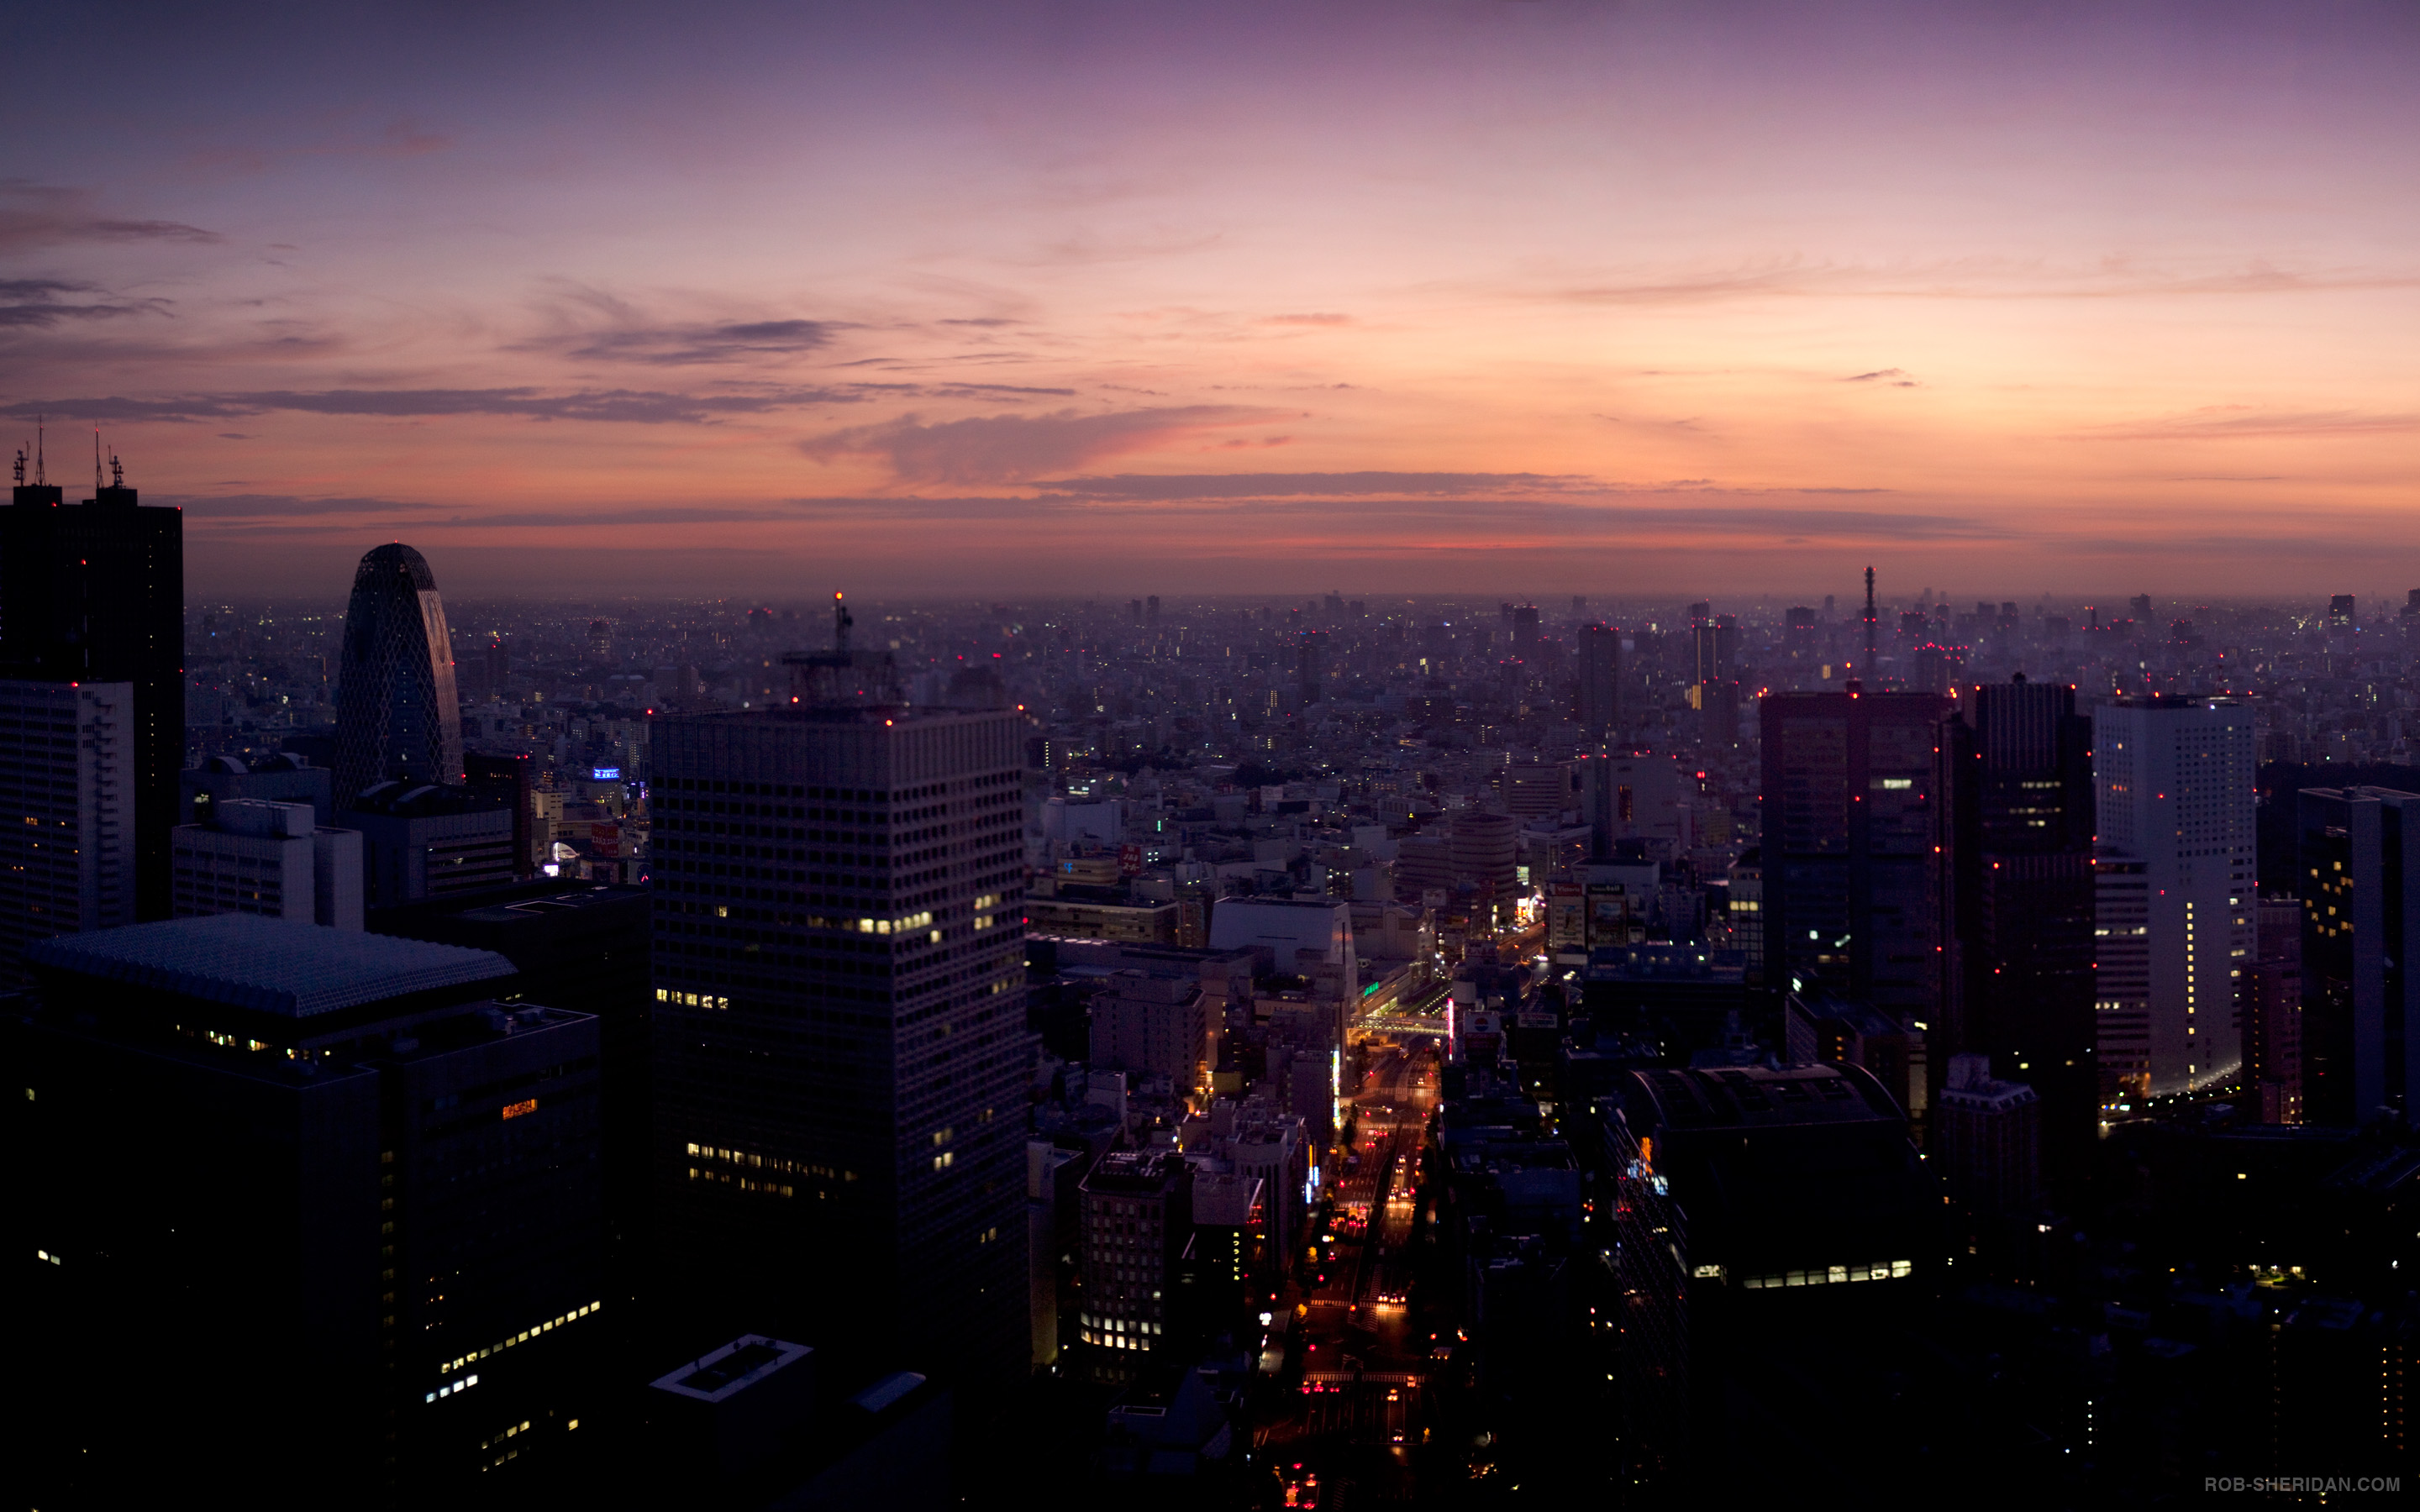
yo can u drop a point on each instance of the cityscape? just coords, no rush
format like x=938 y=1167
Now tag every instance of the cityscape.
x=648 y=888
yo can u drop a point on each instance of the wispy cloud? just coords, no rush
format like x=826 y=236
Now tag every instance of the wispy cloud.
x=2220 y=423
x=1974 y=278
x=1138 y=486
x=642 y=407
x=36 y=215
x=682 y=345
x=1010 y=448
x=43 y=302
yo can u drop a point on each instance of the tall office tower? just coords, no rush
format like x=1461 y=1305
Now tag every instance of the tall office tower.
x=2175 y=890
x=383 y=1180
x=1524 y=631
x=270 y=860
x=1848 y=905
x=2272 y=1013
x=1138 y=1215
x=2017 y=905
x=2340 y=611
x=67 y=780
x=96 y=593
x=1599 y=681
x=397 y=716
x=1800 y=638
x=2358 y=847
x=1311 y=665
x=841 y=1049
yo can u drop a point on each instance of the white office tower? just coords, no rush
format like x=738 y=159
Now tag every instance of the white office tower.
x=2175 y=892
x=67 y=786
x=256 y=857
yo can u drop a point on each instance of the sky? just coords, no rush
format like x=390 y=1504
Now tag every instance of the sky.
x=1532 y=296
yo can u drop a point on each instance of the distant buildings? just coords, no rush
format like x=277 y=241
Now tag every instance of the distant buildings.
x=68 y=779
x=397 y=714
x=420 y=841
x=2175 y=891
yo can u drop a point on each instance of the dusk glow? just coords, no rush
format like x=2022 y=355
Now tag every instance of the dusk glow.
x=1474 y=295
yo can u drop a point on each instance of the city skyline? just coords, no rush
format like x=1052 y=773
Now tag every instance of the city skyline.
x=1500 y=297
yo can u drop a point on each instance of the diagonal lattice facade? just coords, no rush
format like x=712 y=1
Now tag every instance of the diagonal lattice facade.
x=396 y=713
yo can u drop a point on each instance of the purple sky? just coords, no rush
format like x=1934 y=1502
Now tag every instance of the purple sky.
x=1553 y=295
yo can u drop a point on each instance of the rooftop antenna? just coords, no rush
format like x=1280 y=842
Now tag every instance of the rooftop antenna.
x=1869 y=622
x=116 y=470
x=21 y=467
x=40 y=477
x=95 y=459
x=841 y=622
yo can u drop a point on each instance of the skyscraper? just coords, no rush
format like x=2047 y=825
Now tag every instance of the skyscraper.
x=2175 y=890
x=1600 y=681
x=2015 y=774
x=2359 y=848
x=397 y=716
x=841 y=1049
x=1849 y=908
x=67 y=862
x=96 y=593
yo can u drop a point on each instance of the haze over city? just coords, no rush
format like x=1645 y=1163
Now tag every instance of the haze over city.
x=1486 y=297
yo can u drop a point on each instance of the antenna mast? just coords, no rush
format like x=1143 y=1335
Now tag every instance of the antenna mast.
x=1868 y=668
x=40 y=477
x=841 y=622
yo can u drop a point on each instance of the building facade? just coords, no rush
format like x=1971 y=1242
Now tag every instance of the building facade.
x=68 y=775
x=841 y=1051
x=267 y=858
x=2357 y=849
x=398 y=715
x=2174 y=892
x=1849 y=814
x=2016 y=834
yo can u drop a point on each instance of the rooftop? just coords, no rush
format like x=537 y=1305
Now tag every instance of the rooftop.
x=730 y=1369
x=270 y=965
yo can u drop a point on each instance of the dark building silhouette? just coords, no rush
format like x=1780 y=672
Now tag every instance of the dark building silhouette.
x=1849 y=802
x=2017 y=902
x=397 y=714
x=2272 y=1013
x=841 y=1052
x=1600 y=667
x=273 y=1173
x=279 y=778
x=583 y=946
x=95 y=593
x=2359 y=847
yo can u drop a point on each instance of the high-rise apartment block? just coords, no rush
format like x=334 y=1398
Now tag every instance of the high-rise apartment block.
x=2015 y=772
x=2358 y=849
x=67 y=780
x=2175 y=891
x=1849 y=798
x=267 y=858
x=96 y=593
x=841 y=1048
x=398 y=715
